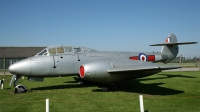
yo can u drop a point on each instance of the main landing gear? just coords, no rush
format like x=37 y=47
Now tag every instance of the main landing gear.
x=104 y=87
x=110 y=87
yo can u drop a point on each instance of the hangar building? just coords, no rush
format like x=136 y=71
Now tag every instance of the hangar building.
x=10 y=55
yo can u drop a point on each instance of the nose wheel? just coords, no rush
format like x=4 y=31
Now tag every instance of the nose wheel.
x=20 y=89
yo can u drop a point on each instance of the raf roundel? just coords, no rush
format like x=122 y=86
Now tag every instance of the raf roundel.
x=143 y=57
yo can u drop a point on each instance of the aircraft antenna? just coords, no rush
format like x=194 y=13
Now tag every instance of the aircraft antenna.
x=78 y=58
x=54 y=62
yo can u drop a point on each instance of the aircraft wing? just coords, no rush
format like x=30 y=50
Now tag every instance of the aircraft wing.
x=135 y=68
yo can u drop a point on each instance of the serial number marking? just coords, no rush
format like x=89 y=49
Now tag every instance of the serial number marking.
x=164 y=56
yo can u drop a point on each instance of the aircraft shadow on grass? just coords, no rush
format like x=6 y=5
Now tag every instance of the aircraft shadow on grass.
x=152 y=89
x=63 y=86
x=134 y=86
x=166 y=76
x=67 y=85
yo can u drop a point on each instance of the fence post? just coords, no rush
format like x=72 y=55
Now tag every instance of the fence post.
x=4 y=64
x=2 y=82
x=199 y=63
x=141 y=103
x=181 y=62
x=47 y=105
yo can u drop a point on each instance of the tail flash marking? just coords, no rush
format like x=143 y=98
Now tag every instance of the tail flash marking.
x=133 y=58
x=168 y=39
x=151 y=57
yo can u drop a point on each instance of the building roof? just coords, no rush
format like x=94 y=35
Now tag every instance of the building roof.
x=19 y=52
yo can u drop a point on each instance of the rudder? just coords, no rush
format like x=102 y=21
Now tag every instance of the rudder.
x=170 y=49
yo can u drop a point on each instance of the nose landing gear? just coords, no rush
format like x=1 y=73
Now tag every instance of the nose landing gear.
x=15 y=79
x=18 y=88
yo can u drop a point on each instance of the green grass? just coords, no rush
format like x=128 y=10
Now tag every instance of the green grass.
x=163 y=92
x=184 y=65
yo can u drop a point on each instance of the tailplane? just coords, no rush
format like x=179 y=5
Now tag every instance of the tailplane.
x=170 y=47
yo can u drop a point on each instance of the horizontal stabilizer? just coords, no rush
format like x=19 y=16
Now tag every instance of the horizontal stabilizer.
x=141 y=68
x=173 y=43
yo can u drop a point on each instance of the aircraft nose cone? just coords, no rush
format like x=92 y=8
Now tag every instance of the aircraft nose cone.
x=21 y=67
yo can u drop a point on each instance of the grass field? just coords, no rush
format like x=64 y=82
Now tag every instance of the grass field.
x=184 y=65
x=163 y=92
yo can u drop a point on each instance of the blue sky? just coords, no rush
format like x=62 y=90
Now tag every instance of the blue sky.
x=105 y=25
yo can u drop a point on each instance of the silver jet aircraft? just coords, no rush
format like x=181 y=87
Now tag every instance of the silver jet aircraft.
x=96 y=66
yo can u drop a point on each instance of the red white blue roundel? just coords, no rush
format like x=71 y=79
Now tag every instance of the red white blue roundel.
x=142 y=57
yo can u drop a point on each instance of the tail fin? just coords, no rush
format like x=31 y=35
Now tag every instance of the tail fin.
x=170 y=47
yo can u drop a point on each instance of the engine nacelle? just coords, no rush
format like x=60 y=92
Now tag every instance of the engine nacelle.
x=96 y=71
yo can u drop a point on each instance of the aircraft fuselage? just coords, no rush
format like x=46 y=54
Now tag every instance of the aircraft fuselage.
x=66 y=64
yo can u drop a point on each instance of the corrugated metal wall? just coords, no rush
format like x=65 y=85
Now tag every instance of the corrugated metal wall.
x=1 y=63
x=14 y=54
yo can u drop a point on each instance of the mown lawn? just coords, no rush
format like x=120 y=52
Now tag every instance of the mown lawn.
x=184 y=65
x=163 y=92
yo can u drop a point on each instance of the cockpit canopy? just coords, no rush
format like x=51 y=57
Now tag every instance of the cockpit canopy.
x=55 y=50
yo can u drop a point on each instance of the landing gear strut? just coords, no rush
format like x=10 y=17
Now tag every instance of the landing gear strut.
x=15 y=78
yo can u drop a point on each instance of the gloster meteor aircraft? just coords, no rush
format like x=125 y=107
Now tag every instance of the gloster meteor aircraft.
x=96 y=66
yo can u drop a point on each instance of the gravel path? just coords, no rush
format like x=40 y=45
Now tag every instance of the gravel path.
x=7 y=73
